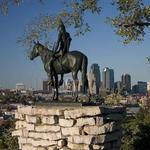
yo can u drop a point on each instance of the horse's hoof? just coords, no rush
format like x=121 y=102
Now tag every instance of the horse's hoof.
x=60 y=82
x=55 y=99
x=76 y=99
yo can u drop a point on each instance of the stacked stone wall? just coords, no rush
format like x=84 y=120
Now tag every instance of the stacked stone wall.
x=68 y=128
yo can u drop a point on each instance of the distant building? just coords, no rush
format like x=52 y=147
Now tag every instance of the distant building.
x=46 y=86
x=126 y=82
x=135 y=89
x=20 y=86
x=142 y=87
x=148 y=86
x=69 y=85
x=108 y=79
x=94 y=79
x=117 y=86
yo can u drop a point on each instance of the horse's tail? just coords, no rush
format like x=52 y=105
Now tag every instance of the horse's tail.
x=84 y=74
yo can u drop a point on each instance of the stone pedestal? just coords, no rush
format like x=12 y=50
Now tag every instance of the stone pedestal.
x=68 y=128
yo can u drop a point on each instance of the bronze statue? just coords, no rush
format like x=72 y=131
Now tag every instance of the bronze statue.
x=61 y=48
x=73 y=62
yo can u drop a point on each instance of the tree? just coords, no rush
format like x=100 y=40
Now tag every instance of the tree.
x=136 y=131
x=130 y=23
x=72 y=14
x=132 y=20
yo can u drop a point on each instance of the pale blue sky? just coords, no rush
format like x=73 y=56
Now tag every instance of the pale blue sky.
x=101 y=45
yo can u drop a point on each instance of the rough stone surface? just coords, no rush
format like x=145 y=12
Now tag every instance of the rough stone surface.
x=85 y=121
x=66 y=122
x=47 y=128
x=82 y=112
x=45 y=136
x=32 y=119
x=23 y=124
x=19 y=116
x=68 y=128
x=49 y=120
x=78 y=146
x=71 y=131
x=108 y=127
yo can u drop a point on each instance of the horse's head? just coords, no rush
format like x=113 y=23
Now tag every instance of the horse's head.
x=35 y=51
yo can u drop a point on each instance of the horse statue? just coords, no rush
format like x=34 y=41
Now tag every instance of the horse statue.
x=73 y=61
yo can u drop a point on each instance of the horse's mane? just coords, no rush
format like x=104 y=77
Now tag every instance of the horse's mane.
x=46 y=48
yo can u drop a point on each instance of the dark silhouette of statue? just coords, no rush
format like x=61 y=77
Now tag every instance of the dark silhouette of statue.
x=73 y=62
x=61 y=48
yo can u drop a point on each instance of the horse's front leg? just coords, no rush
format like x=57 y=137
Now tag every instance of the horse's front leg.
x=61 y=80
x=76 y=83
x=56 y=98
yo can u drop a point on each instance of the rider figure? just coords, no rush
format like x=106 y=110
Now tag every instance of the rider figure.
x=62 y=47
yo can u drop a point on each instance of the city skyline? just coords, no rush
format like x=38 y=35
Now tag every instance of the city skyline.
x=101 y=46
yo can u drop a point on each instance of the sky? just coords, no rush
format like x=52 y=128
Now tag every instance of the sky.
x=101 y=45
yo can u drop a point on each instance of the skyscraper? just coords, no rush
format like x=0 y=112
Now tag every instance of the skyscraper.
x=142 y=87
x=94 y=79
x=108 y=79
x=46 y=86
x=126 y=82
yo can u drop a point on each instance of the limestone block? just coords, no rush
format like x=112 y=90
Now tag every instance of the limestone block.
x=96 y=130
x=96 y=147
x=20 y=124
x=78 y=146
x=20 y=145
x=19 y=116
x=20 y=133
x=44 y=143
x=92 y=139
x=66 y=123
x=39 y=110
x=41 y=148
x=23 y=124
x=45 y=136
x=47 y=128
x=52 y=148
x=28 y=147
x=32 y=119
x=22 y=140
x=80 y=139
x=83 y=111
x=50 y=120
x=49 y=111
x=71 y=131
x=30 y=127
x=99 y=121
x=39 y=142
x=27 y=110
x=65 y=148
x=101 y=146
x=61 y=143
x=85 y=121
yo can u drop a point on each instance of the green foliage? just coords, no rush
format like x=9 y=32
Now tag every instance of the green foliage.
x=136 y=132
x=6 y=140
x=132 y=19
x=72 y=14
x=114 y=99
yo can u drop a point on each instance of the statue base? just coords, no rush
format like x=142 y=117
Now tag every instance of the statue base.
x=74 y=104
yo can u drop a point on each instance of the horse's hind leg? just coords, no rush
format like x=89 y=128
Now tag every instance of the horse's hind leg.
x=56 y=98
x=76 y=83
